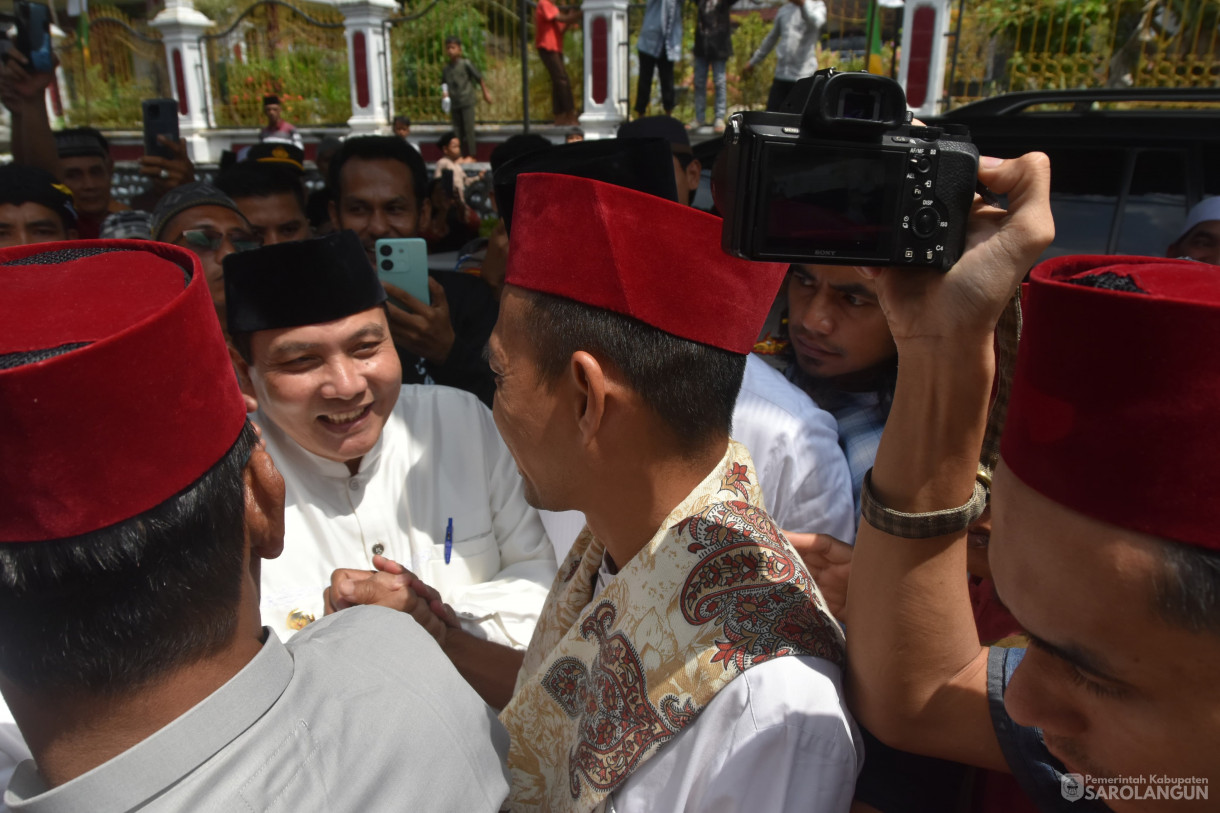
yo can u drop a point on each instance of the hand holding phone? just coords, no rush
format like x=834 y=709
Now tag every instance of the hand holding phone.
x=160 y=119
x=34 y=35
x=403 y=261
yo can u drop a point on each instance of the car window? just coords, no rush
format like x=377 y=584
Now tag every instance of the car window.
x=1085 y=184
x=1156 y=203
x=1211 y=171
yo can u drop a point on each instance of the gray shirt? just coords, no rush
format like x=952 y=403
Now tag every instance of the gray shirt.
x=361 y=711
x=795 y=37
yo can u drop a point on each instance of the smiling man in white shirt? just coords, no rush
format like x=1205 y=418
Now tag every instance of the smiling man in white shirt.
x=417 y=474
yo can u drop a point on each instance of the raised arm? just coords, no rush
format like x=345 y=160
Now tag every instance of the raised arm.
x=24 y=94
x=814 y=12
x=918 y=675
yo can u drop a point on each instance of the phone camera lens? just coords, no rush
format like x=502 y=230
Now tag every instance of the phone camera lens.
x=386 y=251
x=387 y=265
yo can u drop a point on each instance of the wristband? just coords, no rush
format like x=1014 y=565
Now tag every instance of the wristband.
x=928 y=524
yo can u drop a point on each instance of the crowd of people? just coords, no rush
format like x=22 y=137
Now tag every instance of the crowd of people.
x=277 y=533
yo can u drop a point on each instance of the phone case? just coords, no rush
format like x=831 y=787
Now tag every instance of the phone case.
x=160 y=118
x=403 y=261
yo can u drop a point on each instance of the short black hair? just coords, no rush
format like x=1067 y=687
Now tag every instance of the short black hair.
x=445 y=138
x=403 y=120
x=114 y=609
x=76 y=142
x=1187 y=590
x=379 y=148
x=243 y=344
x=251 y=179
x=691 y=386
x=453 y=38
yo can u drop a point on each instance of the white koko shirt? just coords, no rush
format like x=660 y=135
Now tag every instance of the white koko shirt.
x=439 y=457
x=778 y=737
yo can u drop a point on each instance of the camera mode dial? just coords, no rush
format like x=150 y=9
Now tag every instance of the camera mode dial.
x=925 y=222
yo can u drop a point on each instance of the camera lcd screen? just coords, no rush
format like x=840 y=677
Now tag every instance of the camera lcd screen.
x=832 y=201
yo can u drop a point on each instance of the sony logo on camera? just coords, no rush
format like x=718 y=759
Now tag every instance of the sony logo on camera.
x=843 y=178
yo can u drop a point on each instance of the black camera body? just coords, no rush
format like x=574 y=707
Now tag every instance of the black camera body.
x=846 y=179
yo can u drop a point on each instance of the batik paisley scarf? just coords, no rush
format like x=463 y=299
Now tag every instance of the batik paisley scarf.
x=606 y=683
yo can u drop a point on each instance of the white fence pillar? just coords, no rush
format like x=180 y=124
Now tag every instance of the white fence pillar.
x=604 y=26
x=181 y=25
x=921 y=72
x=368 y=54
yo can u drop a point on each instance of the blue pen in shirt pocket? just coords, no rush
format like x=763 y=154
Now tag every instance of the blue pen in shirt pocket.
x=449 y=541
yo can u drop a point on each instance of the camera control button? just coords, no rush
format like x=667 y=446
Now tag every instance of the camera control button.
x=925 y=222
x=921 y=164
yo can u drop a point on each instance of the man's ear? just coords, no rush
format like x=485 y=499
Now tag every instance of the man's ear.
x=589 y=380
x=425 y=216
x=694 y=172
x=243 y=379
x=264 y=504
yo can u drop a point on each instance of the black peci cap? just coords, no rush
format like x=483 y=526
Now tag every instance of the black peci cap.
x=307 y=282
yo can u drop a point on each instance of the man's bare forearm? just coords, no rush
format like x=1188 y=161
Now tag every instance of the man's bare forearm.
x=489 y=667
x=918 y=674
x=33 y=143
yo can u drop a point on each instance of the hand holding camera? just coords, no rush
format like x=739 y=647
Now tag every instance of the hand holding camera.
x=846 y=179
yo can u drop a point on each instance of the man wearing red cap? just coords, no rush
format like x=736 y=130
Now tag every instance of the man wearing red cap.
x=684 y=660
x=138 y=506
x=1104 y=512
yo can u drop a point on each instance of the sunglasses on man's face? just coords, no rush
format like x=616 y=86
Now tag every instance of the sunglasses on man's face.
x=210 y=240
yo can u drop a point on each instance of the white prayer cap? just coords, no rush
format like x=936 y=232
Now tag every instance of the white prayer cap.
x=1204 y=210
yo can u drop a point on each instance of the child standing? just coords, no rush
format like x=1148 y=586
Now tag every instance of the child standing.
x=460 y=78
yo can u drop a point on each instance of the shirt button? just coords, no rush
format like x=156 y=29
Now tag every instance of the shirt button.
x=378 y=549
x=298 y=619
x=354 y=485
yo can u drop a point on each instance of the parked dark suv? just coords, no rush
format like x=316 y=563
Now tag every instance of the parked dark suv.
x=1126 y=164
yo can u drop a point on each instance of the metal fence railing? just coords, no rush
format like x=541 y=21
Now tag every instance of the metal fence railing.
x=493 y=39
x=295 y=50
x=1010 y=45
x=108 y=67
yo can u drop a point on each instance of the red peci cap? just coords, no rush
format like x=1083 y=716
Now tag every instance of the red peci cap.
x=1117 y=391
x=639 y=255
x=116 y=390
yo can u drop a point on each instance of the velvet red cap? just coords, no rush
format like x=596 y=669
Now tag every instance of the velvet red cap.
x=639 y=255
x=1115 y=409
x=116 y=389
